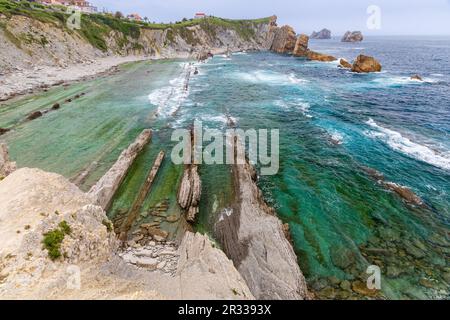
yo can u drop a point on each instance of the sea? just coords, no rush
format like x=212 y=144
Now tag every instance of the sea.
x=345 y=140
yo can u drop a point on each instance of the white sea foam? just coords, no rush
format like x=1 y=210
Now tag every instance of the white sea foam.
x=404 y=145
x=268 y=77
x=297 y=103
x=389 y=81
x=336 y=137
x=169 y=99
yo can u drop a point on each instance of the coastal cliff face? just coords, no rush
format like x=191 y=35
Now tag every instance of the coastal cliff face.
x=32 y=41
x=57 y=244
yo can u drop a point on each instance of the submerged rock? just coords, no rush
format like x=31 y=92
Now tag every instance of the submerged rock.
x=103 y=191
x=34 y=115
x=361 y=288
x=312 y=55
x=56 y=106
x=352 y=36
x=416 y=77
x=322 y=34
x=342 y=257
x=365 y=64
x=405 y=193
x=4 y=130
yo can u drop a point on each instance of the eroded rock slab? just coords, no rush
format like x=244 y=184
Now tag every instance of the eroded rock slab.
x=6 y=166
x=106 y=187
x=253 y=237
x=199 y=260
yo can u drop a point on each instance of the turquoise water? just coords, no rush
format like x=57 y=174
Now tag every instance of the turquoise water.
x=333 y=126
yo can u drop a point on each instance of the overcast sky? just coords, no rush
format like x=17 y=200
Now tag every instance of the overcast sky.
x=398 y=17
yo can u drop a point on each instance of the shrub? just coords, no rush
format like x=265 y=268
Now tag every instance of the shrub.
x=52 y=240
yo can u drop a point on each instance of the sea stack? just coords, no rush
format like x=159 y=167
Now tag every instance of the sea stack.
x=365 y=64
x=322 y=34
x=284 y=40
x=352 y=36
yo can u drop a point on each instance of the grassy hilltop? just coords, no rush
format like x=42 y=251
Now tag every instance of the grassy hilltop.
x=95 y=27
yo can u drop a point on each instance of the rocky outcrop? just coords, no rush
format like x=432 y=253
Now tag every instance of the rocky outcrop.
x=352 y=36
x=312 y=55
x=344 y=64
x=301 y=50
x=365 y=64
x=6 y=166
x=416 y=77
x=34 y=115
x=284 y=40
x=142 y=195
x=301 y=46
x=322 y=34
x=103 y=191
x=253 y=237
x=34 y=203
x=199 y=260
x=190 y=192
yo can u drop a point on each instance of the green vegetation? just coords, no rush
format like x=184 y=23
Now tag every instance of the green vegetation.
x=108 y=225
x=64 y=226
x=95 y=28
x=52 y=240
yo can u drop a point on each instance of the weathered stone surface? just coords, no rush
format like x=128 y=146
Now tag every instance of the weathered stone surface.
x=344 y=64
x=253 y=237
x=189 y=192
x=352 y=36
x=312 y=55
x=204 y=269
x=35 y=202
x=4 y=130
x=301 y=46
x=361 y=288
x=404 y=192
x=6 y=166
x=284 y=40
x=322 y=34
x=364 y=64
x=103 y=191
x=34 y=115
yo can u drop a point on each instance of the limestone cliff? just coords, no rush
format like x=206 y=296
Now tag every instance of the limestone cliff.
x=35 y=37
x=56 y=244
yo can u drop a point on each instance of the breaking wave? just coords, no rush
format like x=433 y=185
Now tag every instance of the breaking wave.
x=404 y=145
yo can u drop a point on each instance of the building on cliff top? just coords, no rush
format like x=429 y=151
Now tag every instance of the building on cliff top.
x=200 y=15
x=80 y=5
x=134 y=17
